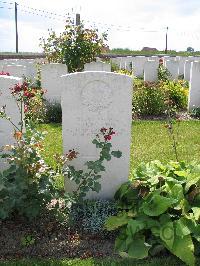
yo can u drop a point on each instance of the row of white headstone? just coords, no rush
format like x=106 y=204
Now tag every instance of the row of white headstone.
x=146 y=66
x=90 y=100
x=178 y=65
x=50 y=78
x=139 y=64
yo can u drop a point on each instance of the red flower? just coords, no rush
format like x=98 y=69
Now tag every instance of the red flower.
x=2 y=73
x=107 y=137
x=28 y=94
x=103 y=129
x=17 y=88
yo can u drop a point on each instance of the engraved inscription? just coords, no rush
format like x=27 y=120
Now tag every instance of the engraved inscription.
x=96 y=96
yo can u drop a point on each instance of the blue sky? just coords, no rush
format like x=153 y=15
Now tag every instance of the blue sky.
x=130 y=23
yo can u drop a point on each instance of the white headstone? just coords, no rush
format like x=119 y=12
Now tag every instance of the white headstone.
x=116 y=61
x=138 y=63
x=51 y=79
x=151 y=70
x=128 y=62
x=90 y=101
x=194 y=90
x=31 y=68
x=97 y=66
x=15 y=70
x=154 y=58
x=181 y=64
x=187 y=68
x=122 y=64
x=173 y=68
x=6 y=99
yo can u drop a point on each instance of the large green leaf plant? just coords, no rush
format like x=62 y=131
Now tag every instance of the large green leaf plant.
x=159 y=209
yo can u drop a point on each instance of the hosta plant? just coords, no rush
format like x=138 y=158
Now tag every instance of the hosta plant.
x=159 y=209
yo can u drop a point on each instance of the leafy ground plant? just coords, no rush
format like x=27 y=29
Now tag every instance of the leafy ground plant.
x=159 y=209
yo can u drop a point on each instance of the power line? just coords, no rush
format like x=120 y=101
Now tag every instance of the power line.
x=44 y=11
x=5 y=2
x=41 y=15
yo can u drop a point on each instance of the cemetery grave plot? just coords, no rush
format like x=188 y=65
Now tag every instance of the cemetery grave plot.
x=90 y=99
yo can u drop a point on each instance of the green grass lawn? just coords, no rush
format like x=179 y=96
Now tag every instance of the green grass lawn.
x=150 y=141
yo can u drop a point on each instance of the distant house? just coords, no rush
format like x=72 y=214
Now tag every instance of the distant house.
x=149 y=49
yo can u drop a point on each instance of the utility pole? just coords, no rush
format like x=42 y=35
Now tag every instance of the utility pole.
x=166 y=40
x=16 y=30
x=78 y=19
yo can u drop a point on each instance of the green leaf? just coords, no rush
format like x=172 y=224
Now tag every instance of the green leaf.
x=97 y=187
x=120 y=243
x=157 y=205
x=183 y=248
x=122 y=190
x=182 y=227
x=138 y=249
x=134 y=226
x=193 y=178
x=106 y=156
x=97 y=143
x=116 y=154
x=196 y=232
x=181 y=173
x=196 y=212
x=167 y=234
x=177 y=192
x=114 y=222
x=96 y=166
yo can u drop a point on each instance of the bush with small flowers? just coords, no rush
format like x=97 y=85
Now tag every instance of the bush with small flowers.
x=31 y=97
x=151 y=98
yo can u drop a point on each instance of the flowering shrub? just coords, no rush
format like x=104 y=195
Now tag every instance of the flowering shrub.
x=159 y=209
x=151 y=98
x=163 y=72
x=30 y=98
x=2 y=73
x=75 y=46
x=148 y=99
x=27 y=186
